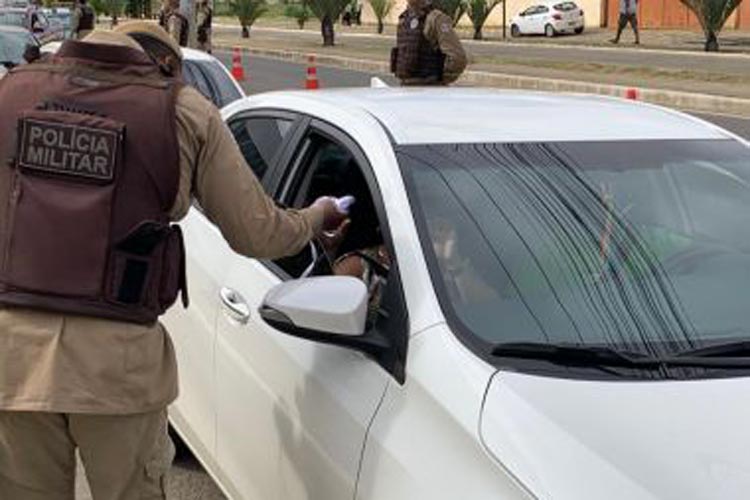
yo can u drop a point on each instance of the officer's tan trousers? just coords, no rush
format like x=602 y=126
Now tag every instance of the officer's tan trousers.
x=125 y=457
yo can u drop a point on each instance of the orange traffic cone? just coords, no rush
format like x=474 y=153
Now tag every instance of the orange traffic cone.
x=311 y=83
x=238 y=72
x=631 y=94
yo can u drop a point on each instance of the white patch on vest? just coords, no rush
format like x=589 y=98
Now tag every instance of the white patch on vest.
x=414 y=24
x=68 y=149
x=445 y=28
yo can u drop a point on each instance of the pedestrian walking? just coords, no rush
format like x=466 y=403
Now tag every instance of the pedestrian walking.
x=83 y=20
x=428 y=51
x=204 y=18
x=628 y=14
x=101 y=149
x=175 y=22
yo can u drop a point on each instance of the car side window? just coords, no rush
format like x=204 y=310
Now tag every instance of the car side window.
x=260 y=139
x=530 y=11
x=192 y=76
x=542 y=10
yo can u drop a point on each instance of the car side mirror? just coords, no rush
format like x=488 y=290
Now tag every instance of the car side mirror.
x=326 y=309
x=334 y=305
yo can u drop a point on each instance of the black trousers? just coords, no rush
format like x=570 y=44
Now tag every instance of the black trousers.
x=624 y=20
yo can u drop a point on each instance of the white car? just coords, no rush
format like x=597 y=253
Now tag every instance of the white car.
x=563 y=314
x=549 y=19
x=201 y=70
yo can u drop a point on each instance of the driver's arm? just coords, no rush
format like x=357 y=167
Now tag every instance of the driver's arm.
x=228 y=190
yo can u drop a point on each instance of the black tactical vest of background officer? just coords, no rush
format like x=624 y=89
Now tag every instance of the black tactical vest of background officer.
x=414 y=55
x=86 y=22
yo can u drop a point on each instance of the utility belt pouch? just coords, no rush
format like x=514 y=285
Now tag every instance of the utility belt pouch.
x=147 y=269
x=60 y=203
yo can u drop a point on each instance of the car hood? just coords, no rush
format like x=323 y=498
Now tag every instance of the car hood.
x=578 y=440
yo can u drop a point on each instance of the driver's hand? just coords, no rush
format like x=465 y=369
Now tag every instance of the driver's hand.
x=331 y=240
x=332 y=217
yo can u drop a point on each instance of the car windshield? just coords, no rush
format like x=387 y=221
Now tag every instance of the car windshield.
x=211 y=80
x=12 y=46
x=641 y=246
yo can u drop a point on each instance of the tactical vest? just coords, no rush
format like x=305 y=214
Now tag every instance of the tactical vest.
x=184 y=26
x=414 y=56
x=86 y=22
x=89 y=171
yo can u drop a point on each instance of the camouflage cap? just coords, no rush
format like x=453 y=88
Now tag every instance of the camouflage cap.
x=151 y=30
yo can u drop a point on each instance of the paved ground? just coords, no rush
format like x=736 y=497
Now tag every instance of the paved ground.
x=718 y=74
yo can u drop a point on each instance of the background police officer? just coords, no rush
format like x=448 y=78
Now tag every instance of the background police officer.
x=172 y=19
x=75 y=371
x=428 y=51
x=83 y=20
x=203 y=20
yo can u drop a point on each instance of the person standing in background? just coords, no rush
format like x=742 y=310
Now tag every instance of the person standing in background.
x=83 y=20
x=628 y=14
x=428 y=51
x=203 y=19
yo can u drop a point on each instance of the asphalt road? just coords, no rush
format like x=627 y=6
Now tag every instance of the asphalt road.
x=187 y=480
x=264 y=74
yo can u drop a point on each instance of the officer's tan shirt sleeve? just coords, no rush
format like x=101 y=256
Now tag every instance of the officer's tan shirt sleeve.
x=215 y=172
x=439 y=30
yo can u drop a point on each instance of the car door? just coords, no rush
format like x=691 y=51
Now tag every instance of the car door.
x=526 y=20
x=208 y=264
x=540 y=18
x=292 y=414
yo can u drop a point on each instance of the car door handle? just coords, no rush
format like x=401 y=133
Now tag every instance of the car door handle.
x=235 y=304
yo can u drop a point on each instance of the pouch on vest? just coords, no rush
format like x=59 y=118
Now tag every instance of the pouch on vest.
x=60 y=204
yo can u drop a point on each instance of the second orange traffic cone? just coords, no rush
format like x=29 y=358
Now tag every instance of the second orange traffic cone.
x=311 y=83
x=238 y=71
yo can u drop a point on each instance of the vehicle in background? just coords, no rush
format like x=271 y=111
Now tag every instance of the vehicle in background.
x=33 y=20
x=14 y=43
x=202 y=71
x=549 y=19
x=563 y=313
x=61 y=15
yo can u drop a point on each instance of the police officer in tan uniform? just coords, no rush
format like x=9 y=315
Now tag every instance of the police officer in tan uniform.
x=83 y=20
x=428 y=51
x=97 y=156
x=175 y=22
x=203 y=20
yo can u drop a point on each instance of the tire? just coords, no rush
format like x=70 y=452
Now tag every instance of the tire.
x=549 y=31
x=515 y=32
x=579 y=30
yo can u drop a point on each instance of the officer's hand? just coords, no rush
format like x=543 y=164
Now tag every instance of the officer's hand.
x=333 y=218
x=331 y=240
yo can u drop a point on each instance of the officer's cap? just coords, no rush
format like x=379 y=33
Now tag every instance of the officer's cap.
x=138 y=29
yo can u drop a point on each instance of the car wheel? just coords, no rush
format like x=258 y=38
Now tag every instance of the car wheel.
x=579 y=30
x=515 y=32
x=549 y=31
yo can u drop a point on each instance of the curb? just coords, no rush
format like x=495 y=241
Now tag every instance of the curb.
x=740 y=56
x=670 y=98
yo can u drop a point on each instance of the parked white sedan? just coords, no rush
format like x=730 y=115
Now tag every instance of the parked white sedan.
x=549 y=18
x=562 y=312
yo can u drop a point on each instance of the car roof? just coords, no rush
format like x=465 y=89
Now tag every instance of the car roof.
x=473 y=115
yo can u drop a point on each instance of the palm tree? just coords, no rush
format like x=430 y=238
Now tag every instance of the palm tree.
x=381 y=8
x=248 y=11
x=479 y=11
x=712 y=14
x=114 y=9
x=454 y=8
x=327 y=11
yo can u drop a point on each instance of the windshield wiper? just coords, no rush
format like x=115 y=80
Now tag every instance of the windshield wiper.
x=577 y=355
x=739 y=349
x=570 y=354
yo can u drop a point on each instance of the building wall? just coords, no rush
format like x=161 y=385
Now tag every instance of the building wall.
x=666 y=14
x=591 y=8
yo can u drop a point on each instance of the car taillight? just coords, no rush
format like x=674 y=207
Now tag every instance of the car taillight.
x=557 y=17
